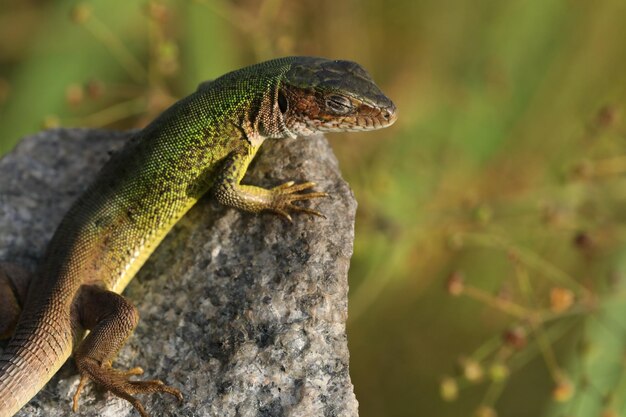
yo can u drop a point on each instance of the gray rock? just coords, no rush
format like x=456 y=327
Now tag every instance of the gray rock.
x=244 y=313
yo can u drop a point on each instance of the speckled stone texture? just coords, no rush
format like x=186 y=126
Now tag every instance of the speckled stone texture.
x=244 y=313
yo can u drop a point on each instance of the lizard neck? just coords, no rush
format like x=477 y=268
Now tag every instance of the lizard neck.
x=265 y=119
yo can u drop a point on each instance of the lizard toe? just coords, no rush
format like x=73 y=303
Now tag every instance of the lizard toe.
x=118 y=382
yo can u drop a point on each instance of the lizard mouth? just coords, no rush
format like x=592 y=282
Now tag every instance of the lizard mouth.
x=366 y=118
x=377 y=117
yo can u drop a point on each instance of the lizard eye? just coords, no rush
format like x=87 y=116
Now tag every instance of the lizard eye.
x=338 y=104
x=283 y=104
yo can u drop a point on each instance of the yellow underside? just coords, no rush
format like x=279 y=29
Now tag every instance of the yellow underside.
x=135 y=263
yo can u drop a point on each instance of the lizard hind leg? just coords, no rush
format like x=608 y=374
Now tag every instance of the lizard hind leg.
x=14 y=282
x=111 y=319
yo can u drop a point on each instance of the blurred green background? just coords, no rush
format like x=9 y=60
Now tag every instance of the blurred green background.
x=488 y=270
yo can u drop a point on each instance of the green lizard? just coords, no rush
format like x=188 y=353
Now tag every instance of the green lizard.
x=203 y=143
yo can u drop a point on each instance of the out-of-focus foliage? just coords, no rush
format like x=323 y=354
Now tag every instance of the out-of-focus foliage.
x=488 y=274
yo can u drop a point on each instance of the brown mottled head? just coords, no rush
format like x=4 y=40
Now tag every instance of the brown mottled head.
x=321 y=95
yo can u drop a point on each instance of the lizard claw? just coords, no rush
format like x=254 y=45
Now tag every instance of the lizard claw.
x=310 y=211
x=118 y=383
x=285 y=195
x=284 y=214
x=283 y=186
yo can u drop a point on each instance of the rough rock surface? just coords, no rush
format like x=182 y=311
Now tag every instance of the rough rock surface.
x=244 y=313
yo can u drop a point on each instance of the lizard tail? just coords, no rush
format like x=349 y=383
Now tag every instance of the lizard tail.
x=34 y=354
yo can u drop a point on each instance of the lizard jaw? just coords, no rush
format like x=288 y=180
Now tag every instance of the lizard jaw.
x=367 y=118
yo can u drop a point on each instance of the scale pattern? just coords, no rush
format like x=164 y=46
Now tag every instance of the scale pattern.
x=201 y=144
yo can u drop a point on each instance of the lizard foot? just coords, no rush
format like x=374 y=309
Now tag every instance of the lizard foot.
x=284 y=196
x=118 y=382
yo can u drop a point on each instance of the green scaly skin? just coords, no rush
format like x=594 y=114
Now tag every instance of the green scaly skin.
x=203 y=143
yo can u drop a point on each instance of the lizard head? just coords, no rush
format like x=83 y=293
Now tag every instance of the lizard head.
x=321 y=95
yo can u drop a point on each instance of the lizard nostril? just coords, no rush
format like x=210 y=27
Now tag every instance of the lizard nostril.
x=388 y=114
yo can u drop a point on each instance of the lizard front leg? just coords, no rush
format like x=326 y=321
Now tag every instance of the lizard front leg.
x=111 y=319
x=229 y=191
